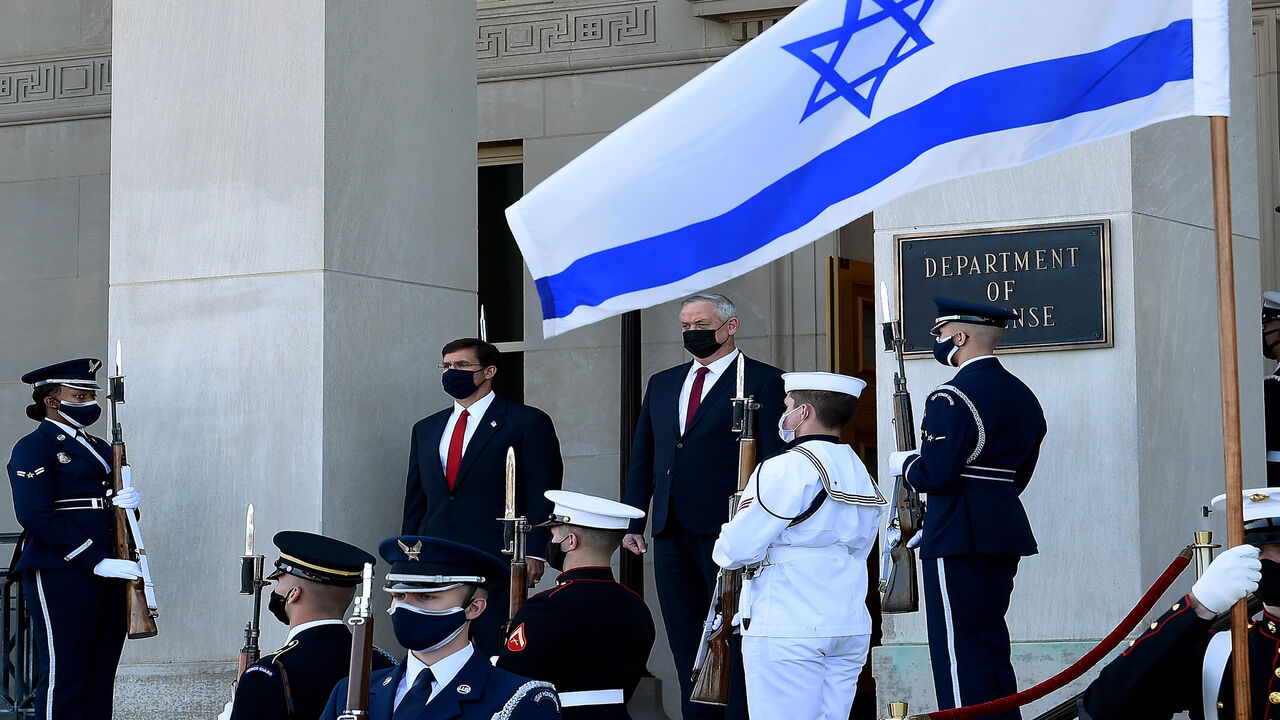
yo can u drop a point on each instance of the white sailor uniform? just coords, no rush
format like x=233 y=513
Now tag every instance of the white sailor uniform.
x=806 y=629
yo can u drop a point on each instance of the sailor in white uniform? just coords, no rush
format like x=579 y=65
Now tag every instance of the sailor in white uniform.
x=803 y=529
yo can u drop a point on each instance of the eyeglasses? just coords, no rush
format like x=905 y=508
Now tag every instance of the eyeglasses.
x=470 y=367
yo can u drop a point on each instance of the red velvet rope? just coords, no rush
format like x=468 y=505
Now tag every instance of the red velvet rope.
x=1081 y=666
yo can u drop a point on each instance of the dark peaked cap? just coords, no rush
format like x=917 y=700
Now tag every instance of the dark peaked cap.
x=966 y=312
x=72 y=373
x=427 y=564
x=318 y=558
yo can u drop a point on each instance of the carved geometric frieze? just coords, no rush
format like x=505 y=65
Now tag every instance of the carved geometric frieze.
x=51 y=88
x=552 y=34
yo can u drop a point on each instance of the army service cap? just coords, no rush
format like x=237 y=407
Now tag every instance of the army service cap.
x=426 y=564
x=1261 y=515
x=1270 y=305
x=79 y=374
x=831 y=382
x=973 y=313
x=572 y=508
x=318 y=558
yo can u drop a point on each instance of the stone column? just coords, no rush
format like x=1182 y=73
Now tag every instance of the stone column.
x=1134 y=446
x=293 y=237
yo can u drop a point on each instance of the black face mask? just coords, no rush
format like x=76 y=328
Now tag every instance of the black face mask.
x=702 y=343
x=1269 y=586
x=556 y=554
x=275 y=605
x=460 y=384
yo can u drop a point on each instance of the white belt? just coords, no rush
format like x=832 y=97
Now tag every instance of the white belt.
x=591 y=697
x=787 y=553
x=1273 y=456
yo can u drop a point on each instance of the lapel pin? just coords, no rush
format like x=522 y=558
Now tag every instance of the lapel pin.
x=493 y=423
x=464 y=689
x=386 y=681
x=61 y=437
x=64 y=458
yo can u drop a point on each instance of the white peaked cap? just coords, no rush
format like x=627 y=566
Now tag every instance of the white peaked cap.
x=831 y=382
x=1259 y=503
x=590 y=511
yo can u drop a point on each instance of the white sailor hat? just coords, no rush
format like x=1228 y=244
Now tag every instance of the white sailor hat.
x=1270 y=305
x=831 y=382
x=1261 y=515
x=589 y=511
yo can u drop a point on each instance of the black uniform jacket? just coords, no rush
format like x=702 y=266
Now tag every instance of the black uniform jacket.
x=1160 y=674
x=311 y=663
x=587 y=633
x=694 y=474
x=468 y=513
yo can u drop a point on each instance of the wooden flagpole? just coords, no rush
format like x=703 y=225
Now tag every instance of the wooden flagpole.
x=1230 y=376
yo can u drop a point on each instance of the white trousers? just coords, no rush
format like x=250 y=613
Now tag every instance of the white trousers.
x=804 y=677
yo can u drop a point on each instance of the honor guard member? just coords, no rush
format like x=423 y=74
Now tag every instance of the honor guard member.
x=557 y=635
x=438 y=588
x=316 y=578
x=804 y=527
x=74 y=589
x=979 y=442
x=1180 y=663
x=1271 y=384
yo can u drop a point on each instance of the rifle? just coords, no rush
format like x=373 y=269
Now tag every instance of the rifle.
x=361 y=651
x=141 y=597
x=711 y=665
x=899 y=593
x=517 y=528
x=251 y=583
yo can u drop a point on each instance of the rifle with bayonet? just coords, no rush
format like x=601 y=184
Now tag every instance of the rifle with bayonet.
x=141 y=593
x=712 y=663
x=251 y=583
x=899 y=593
x=361 y=651
x=517 y=530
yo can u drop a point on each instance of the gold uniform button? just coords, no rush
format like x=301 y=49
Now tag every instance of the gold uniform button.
x=1153 y=625
x=1177 y=605
x=1278 y=672
x=1271 y=627
x=1274 y=698
x=1131 y=642
x=1220 y=706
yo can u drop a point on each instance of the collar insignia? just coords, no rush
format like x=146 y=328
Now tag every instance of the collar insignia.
x=64 y=458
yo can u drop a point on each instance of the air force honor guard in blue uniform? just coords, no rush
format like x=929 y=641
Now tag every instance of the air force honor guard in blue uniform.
x=589 y=635
x=61 y=480
x=980 y=439
x=316 y=578
x=438 y=587
x=1271 y=384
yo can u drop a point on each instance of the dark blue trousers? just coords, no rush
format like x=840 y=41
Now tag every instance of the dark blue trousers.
x=685 y=576
x=966 y=597
x=79 y=625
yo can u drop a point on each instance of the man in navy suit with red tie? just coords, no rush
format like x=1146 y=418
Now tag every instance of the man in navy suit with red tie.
x=456 y=488
x=685 y=460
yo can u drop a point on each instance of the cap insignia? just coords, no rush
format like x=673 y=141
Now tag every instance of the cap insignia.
x=93 y=366
x=412 y=551
x=1259 y=497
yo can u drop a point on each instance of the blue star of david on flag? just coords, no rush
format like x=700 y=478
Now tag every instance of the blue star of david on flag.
x=882 y=24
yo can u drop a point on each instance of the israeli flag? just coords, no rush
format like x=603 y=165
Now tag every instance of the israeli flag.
x=839 y=108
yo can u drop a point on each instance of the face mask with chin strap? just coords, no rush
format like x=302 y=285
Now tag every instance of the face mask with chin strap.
x=425 y=630
x=944 y=349
x=82 y=414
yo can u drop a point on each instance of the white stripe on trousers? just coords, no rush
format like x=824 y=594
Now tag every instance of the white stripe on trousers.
x=951 y=632
x=48 y=630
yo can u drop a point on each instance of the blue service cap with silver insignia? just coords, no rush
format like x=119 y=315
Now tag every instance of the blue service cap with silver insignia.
x=79 y=374
x=427 y=564
x=1261 y=515
x=966 y=312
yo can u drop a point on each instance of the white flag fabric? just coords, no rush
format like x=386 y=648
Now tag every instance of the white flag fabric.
x=839 y=108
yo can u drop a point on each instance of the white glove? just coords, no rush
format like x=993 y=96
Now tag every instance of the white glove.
x=898 y=458
x=127 y=569
x=914 y=542
x=226 y=712
x=127 y=498
x=1232 y=575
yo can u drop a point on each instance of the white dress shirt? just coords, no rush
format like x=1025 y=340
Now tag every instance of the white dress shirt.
x=293 y=631
x=474 y=413
x=714 y=371
x=443 y=672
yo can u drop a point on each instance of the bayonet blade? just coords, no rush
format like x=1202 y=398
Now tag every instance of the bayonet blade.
x=248 y=532
x=510 y=510
x=742 y=376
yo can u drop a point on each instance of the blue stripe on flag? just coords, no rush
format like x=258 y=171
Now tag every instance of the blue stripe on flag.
x=1015 y=97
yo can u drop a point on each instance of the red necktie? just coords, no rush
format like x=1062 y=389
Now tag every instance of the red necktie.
x=695 y=396
x=455 y=449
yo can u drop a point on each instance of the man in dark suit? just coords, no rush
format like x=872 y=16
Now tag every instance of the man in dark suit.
x=685 y=459
x=456 y=487
x=980 y=439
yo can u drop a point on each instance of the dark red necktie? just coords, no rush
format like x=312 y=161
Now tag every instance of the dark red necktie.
x=695 y=396
x=455 y=449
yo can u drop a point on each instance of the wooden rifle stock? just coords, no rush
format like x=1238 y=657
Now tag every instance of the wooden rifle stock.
x=142 y=624
x=519 y=590
x=249 y=653
x=361 y=665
